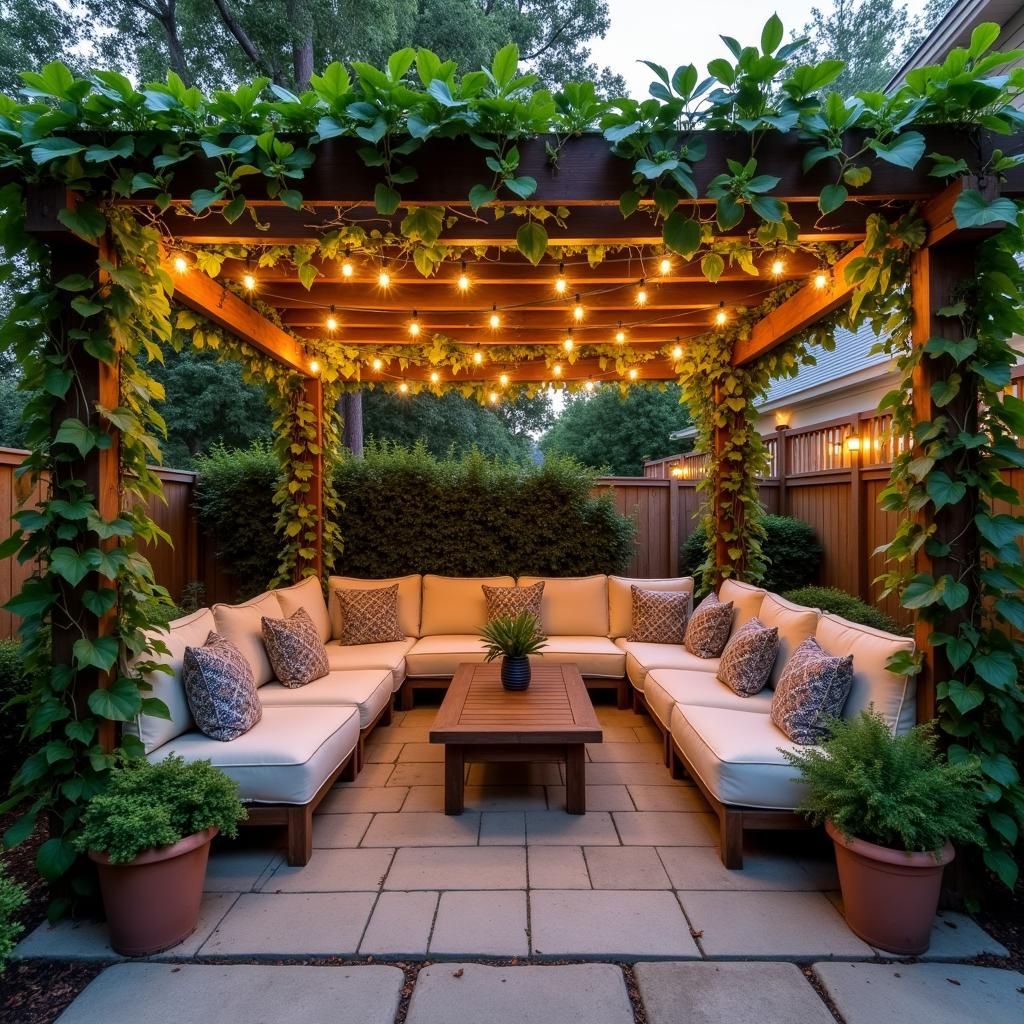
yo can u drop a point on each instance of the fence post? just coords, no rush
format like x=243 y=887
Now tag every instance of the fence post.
x=673 y=526
x=857 y=529
x=781 y=466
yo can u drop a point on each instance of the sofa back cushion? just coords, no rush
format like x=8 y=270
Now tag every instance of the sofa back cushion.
x=190 y=631
x=308 y=595
x=572 y=605
x=746 y=600
x=620 y=599
x=795 y=624
x=242 y=625
x=409 y=599
x=894 y=696
x=456 y=604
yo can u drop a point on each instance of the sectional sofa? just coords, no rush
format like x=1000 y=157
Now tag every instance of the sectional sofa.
x=310 y=736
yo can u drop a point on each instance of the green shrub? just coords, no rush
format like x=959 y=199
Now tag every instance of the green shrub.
x=12 y=899
x=148 y=805
x=895 y=791
x=839 y=602
x=407 y=511
x=15 y=685
x=791 y=550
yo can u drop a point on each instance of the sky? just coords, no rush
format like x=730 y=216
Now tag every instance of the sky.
x=674 y=32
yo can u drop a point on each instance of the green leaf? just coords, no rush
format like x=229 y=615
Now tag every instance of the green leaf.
x=856 y=177
x=768 y=208
x=386 y=199
x=523 y=186
x=999 y=768
x=479 y=195
x=832 y=197
x=965 y=698
x=973 y=210
x=682 y=234
x=944 y=391
x=119 y=702
x=505 y=64
x=54 y=858
x=905 y=150
x=85 y=221
x=100 y=653
x=75 y=433
x=54 y=148
x=1003 y=866
x=771 y=35
x=943 y=491
x=532 y=241
x=72 y=565
x=712 y=266
x=996 y=667
x=1004 y=825
x=922 y=591
x=628 y=202
x=203 y=199
x=307 y=275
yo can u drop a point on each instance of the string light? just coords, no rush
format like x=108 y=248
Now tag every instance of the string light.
x=589 y=385
x=495 y=319
x=478 y=357
x=346 y=267
x=503 y=380
x=778 y=264
x=568 y=343
x=249 y=282
x=494 y=398
x=560 y=284
x=578 y=311
x=403 y=387
x=557 y=369
x=677 y=352
x=665 y=265
x=180 y=264
x=314 y=366
x=641 y=295
x=377 y=365
x=434 y=377
x=384 y=279
x=620 y=335
x=820 y=279
x=332 y=321
x=633 y=374
x=463 y=281
x=721 y=317
x=414 y=325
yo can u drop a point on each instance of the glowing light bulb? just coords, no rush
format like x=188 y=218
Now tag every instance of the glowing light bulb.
x=677 y=352
x=641 y=294
x=332 y=323
x=478 y=357
x=434 y=377
x=778 y=268
x=820 y=279
x=249 y=282
x=557 y=369
x=384 y=279
x=463 y=281
x=560 y=282
x=589 y=385
x=494 y=398
x=503 y=380
x=403 y=387
x=314 y=366
x=568 y=344
x=180 y=264
x=665 y=265
x=578 y=310
x=414 y=325
x=721 y=317
x=377 y=364
x=346 y=269
x=633 y=374
x=620 y=335
x=495 y=320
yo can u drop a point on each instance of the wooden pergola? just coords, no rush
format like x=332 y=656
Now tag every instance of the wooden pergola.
x=588 y=182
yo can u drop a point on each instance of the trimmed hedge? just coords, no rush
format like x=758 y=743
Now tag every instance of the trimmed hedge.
x=14 y=687
x=407 y=511
x=791 y=550
x=839 y=602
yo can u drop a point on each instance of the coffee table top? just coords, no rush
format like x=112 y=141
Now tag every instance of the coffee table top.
x=555 y=708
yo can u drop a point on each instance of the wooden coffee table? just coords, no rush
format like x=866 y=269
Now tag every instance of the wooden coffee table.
x=479 y=720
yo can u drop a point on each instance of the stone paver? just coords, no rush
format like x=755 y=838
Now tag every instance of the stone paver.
x=701 y=867
x=621 y=734
x=599 y=798
x=422 y=752
x=292 y=924
x=382 y=753
x=923 y=993
x=480 y=924
x=502 y=828
x=458 y=867
x=770 y=925
x=957 y=937
x=667 y=798
x=557 y=867
x=451 y=992
x=338 y=831
x=625 y=867
x=479 y=798
x=370 y=775
x=625 y=925
x=667 y=828
x=239 y=994
x=238 y=870
x=556 y=828
x=626 y=753
x=414 y=774
x=333 y=871
x=399 y=734
x=515 y=774
x=356 y=801
x=427 y=828
x=611 y=773
x=400 y=924
x=89 y=940
x=729 y=993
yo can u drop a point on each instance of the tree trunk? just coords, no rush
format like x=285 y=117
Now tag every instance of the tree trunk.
x=302 y=56
x=350 y=408
x=175 y=51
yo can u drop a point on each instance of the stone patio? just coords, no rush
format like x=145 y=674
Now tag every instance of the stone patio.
x=637 y=878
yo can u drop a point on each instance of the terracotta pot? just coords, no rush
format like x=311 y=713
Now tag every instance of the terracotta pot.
x=889 y=896
x=152 y=902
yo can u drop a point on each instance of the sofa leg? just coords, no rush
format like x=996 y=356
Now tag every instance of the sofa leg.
x=405 y=697
x=623 y=693
x=389 y=714
x=638 y=704
x=731 y=845
x=351 y=769
x=675 y=765
x=300 y=835
x=668 y=753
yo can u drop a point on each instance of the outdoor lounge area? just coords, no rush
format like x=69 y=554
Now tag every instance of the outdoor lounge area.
x=501 y=781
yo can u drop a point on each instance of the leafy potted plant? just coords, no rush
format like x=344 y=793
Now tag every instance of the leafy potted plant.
x=892 y=805
x=149 y=835
x=514 y=638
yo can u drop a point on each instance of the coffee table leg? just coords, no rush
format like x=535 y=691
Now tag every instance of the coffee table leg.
x=454 y=778
x=575 y=779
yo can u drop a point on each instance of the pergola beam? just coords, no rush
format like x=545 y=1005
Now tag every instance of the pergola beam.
x=529 y=372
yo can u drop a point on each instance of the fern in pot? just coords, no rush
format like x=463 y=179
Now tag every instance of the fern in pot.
x=513 y=638
x=893 y=805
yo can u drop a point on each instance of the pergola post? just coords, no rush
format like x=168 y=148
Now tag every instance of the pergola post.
x=313 y=395
x=936 y=272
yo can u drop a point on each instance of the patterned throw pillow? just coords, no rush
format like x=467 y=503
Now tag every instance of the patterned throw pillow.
x=748 y=658
x=812 y=689
x=659 y=616
x=503 y=602
x=369 y=616
x=709 y=627
x=296 y=652
x=221 y=689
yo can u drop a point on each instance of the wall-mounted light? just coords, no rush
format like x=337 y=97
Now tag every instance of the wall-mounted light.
x=783 y=417
x=853 y=443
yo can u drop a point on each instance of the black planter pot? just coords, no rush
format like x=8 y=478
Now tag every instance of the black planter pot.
x=515 y=673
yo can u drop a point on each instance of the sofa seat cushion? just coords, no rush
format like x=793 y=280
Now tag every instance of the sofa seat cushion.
x=666 y=687
x=572 y=605
x=594 y=655
x=641 y=658
x=367 y=689
x=283 y=759
x=352 y=657
x=437 y=657
x=737 y=755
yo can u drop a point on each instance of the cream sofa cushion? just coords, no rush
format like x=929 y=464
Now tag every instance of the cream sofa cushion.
x=190 y=631
x=894 y=697
x=746 y=600
x=666 y=687
x=284 y=758
x=620 y=598
x=641 y=658
x=409 y=599
x=455 y=605
x=309 y=594
x=354 y=657
x=736 y=754
x=795 y=624
x=437 y=656
x=572 y=605
x=369 y=690
x=241 y=624
x=595 y=656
